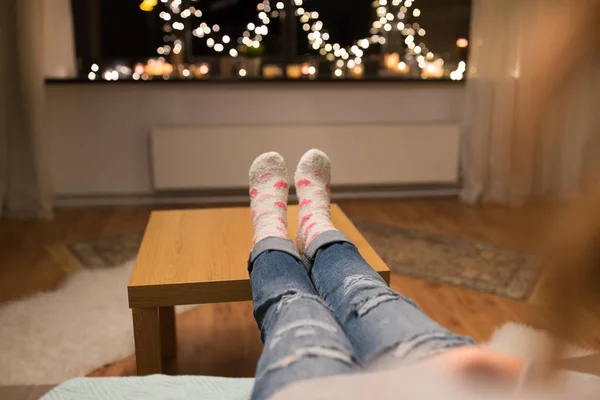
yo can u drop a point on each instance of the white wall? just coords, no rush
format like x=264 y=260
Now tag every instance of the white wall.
x=99 y=132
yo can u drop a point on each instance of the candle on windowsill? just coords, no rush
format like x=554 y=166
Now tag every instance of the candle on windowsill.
x=357 y=71
x=201 y=70
x=272 y=71
x=293 y=71
x=432 y=71
x=304 y=68
x=167 y=69
x=308 y=71
x=158 y=67
x=393 y=65
x=391 y=61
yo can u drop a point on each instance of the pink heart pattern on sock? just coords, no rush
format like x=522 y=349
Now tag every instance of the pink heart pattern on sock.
x=312 y=178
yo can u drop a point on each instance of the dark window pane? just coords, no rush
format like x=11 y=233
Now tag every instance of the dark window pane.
x=309 y=39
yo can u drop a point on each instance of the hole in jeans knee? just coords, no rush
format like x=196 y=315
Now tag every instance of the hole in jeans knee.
x=307 y=352
x=418 y=347
x=301 y=327
x=428 y=343
x=361 y=282
x=305 y=332
x=273 y=342
x=370 y=303
x=292 y=295
x=304 y=323
x=266 y=305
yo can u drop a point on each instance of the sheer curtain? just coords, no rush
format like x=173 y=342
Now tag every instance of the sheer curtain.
x=532 y=126
x=26 y=26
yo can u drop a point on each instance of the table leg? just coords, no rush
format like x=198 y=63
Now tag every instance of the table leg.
x=168 y=338
x=146 y=331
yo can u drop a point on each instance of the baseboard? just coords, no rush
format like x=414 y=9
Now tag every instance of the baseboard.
x=239 y=197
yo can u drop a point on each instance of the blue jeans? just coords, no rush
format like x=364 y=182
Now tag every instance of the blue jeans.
x=328 y=312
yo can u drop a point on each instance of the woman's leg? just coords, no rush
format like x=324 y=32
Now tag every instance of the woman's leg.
x=377 y=320
x=301 y=336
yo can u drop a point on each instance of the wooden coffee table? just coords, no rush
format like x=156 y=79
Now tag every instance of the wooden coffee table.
x=196 y=257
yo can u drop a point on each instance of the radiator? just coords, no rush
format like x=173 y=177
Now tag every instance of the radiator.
x=218 y=157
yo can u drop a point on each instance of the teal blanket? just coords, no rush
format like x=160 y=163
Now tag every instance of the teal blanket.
x=154 y=387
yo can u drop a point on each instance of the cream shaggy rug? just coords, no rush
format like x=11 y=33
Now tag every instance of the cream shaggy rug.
x=52 y=336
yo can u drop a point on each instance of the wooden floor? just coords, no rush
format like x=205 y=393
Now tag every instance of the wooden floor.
x=222 y=339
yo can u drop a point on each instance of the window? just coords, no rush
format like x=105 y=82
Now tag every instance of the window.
x=271 y=39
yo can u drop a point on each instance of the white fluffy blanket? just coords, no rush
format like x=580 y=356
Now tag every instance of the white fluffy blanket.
x=526 y=343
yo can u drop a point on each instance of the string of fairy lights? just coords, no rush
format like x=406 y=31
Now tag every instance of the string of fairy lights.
x=391 y=17
x=251 y=37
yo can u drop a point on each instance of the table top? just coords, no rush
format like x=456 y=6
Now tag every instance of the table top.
x=201 y=256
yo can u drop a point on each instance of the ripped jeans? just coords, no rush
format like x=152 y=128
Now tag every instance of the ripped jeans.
x=328 y=312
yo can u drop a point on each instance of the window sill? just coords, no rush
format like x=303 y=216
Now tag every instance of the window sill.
x=67 y=81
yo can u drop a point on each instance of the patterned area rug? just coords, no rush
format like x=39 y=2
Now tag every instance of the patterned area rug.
x=108 y=251
x=453 y=261
x=105 y=252
x=474 y=265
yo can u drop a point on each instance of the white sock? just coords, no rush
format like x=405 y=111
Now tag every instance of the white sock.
x=268 y=196
x=312 y=178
